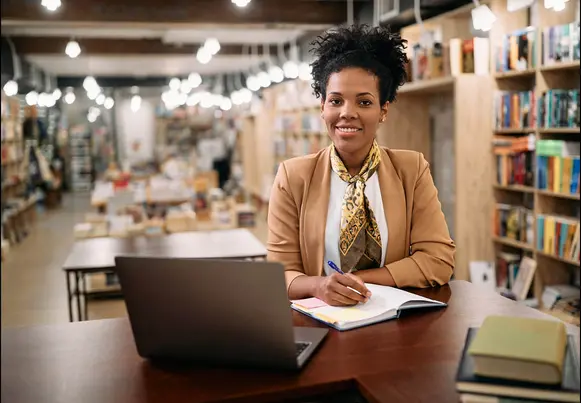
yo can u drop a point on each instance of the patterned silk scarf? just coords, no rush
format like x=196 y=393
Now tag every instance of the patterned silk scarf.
x=360 y=240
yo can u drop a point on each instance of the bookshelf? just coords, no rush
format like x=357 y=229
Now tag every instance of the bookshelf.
x=552 y=201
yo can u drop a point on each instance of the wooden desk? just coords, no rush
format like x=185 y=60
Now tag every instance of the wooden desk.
x=412 y=359
x=97 y=255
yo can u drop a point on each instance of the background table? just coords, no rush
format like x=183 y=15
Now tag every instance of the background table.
x=411 y=359
x=98 y=255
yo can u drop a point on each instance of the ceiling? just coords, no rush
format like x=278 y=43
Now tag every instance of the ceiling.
x=155 y=38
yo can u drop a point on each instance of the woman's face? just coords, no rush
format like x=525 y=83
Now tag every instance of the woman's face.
x=352 y=109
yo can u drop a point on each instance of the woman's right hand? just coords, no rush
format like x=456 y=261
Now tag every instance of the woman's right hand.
x=335 y=290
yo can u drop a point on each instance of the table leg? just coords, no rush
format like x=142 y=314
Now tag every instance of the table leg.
x=85 y=303
x=78 y=292
x=69 y=296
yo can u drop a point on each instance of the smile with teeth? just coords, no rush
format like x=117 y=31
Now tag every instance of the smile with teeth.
x=348 y=129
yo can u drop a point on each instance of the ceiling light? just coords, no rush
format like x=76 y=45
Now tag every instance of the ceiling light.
x=291 y=70
x=57 y=94
x=50 y=101
x=241 y=3
x=245 y=95
x=70 y=96
x=11 y=88
x=252 y=83
x=51 y=5
x=195 y=80
x=93 y=110
x=31 y=98
x=194 y=99
x=91 y=118
x=89 y=83
x=263 y=79
x=236 y=98
x=482 y=18
x=109 y=103
x=174 y=84
x=204 y=56
x=44 y=99
x=100 y=100
x=206 y=100
x=185 y=86
x=212 y=45
x=135 y=103
x=93 y=93
x=226 y=104
x=305 y=71
x=73 y=49
x=276 y=74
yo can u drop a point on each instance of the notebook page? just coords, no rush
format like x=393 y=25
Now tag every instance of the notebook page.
x=383 y=299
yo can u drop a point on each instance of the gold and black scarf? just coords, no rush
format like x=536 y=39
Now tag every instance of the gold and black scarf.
x=360 y=240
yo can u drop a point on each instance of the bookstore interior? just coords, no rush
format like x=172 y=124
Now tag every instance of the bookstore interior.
x=125 y=132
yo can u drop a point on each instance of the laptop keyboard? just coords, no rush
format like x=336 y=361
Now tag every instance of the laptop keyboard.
x=301 y=347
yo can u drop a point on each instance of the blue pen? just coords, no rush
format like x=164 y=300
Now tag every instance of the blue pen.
x=338 y=270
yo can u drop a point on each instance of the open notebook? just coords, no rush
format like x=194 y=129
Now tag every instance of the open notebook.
x=385 y=303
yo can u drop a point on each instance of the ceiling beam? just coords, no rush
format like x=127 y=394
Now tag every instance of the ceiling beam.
x=179 y=12
x=26 y=45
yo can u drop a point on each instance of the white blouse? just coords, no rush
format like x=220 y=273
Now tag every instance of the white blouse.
x=333 y=227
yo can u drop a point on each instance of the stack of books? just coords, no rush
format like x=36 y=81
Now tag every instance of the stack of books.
x=519 y=360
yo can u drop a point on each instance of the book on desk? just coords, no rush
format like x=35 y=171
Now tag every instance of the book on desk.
x=385 y=303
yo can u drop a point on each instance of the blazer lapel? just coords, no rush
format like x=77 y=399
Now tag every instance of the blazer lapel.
x=394 y=207
x=315 y=216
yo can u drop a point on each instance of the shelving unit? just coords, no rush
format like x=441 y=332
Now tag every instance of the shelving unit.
x=551 y=268
x=81 y=161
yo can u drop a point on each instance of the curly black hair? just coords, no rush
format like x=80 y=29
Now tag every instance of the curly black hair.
x=376 y=50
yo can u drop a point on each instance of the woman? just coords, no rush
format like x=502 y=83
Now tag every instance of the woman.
x=370 y=212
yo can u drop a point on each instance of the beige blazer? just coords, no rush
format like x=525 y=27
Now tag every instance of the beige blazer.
x=420 y=252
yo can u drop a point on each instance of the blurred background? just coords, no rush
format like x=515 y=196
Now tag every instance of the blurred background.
x=141 y=119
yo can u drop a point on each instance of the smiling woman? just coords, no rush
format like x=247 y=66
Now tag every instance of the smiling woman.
x=355 y=212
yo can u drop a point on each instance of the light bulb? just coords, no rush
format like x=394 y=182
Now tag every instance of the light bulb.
x=50 y=101
x=73 y=49
x=241 y=3
x=185 y=86
x=135 y=103
x=252 y=83
x=57 y=94
x=291 y=70
x=305 y=71
x=245 y=95
x=204 y=56
x=93 y=110
x=226 y=104
x=174 y=84
x=89 y=83
x=70 y=97
x=194 y=99
x=109 y=103
x=100 y=100
x=93 y=93
x=91 y=118
x=195 y=80
x=212 y=45
x=43 y=99
x=482 y=18
x=206 y=100
x=31 y=98
x=263 y=79
x=276 y=74
x=51 y=5
x=11 y=88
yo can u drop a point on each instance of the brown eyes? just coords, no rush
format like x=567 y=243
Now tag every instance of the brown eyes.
x=337 y=102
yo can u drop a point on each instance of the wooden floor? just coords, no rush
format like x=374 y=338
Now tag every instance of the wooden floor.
x=33 y=284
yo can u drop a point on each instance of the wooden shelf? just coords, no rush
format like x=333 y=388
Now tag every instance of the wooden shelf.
x=428 y=86
x=515 y=188
x=559 y=130
x=513 y=243
x=529 y=73
x=559 y=258
x=527 y=130
x=561 y=67
x=558 y=195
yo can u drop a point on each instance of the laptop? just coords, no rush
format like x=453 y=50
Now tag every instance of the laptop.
x=225 y=312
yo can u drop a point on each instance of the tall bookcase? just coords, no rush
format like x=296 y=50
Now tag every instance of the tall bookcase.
x=537 y=78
